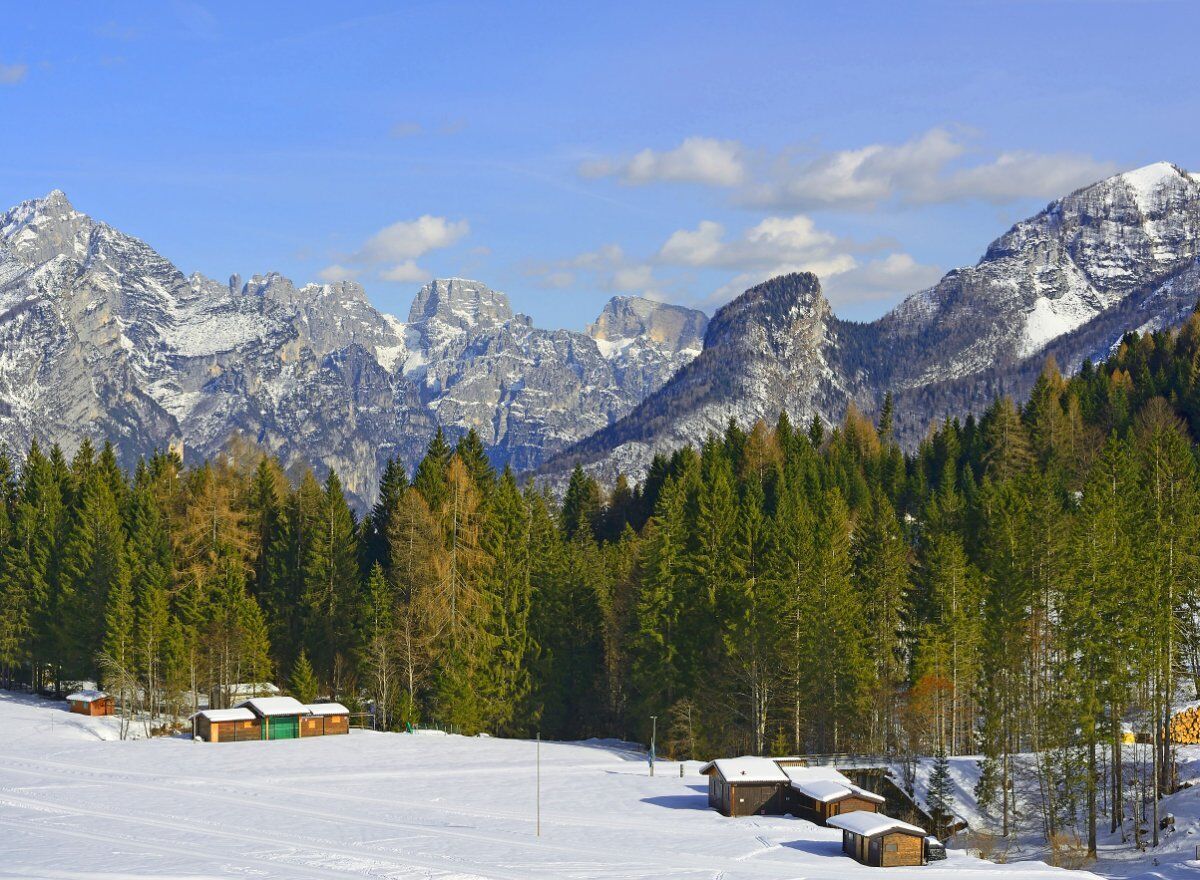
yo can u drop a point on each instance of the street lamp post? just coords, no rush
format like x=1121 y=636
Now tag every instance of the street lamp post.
x=653 y=737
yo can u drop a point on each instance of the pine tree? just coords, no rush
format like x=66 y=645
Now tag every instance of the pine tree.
x=391 y=486
x=430 y=477
x=881 y=571
x=379 y=647
x=940 y=799
x=837 y=674
x=94 y=565
x=331 y=579
x=303 y=681
x=581 y=504
x=503 y=680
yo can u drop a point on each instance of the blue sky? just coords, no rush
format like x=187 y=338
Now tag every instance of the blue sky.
x=567 y=152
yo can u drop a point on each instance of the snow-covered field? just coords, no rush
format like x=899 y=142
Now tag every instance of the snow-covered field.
x=75 y=803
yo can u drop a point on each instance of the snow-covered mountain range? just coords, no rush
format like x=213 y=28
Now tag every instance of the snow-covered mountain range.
x=1115 y=256
x=100 y=336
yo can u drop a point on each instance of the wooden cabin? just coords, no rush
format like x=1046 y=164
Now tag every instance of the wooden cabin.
x=88 y=702
x=746 y=786
x=879 y=841
x=279 y=716
x=226 y=725
x=818 y=793
x=325 y=719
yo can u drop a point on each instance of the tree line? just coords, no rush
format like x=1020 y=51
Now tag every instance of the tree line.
x=1024 y=583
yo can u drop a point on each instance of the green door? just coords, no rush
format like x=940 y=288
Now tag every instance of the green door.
x=281 y=727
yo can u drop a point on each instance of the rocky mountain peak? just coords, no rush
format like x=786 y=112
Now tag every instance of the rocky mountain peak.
x=460 y=302
x=779 y=311
x=669 y=326
x=38 y=230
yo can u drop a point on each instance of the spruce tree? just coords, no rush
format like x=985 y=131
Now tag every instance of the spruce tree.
x=430 y=477
x=331 y=580
x=303 y=681
x=940 y=799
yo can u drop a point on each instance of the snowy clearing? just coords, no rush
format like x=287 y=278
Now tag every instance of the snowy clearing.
x=77 y=803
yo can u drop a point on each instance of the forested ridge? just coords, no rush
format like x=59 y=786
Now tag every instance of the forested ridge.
x=1024 y=583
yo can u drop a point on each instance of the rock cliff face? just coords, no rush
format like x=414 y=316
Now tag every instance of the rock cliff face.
x=1116 y=256
x=102 y=337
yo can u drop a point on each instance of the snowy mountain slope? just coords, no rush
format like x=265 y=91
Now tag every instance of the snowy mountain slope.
x=1116 y=256
x=100 y=336
x=375 y=805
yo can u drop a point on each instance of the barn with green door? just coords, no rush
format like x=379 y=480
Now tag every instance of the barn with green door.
x=279 y=716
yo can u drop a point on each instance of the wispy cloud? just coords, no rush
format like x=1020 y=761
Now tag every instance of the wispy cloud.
x=405 y=129
x=851 y=272
x=937 y=166
x=392 y=252
x=696 y=160
x=11 y=74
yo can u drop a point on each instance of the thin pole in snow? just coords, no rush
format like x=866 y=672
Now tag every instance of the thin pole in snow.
x=539 y=784
x=653 y=737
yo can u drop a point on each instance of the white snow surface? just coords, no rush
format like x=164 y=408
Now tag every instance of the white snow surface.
x=268 y=706
x=86 y=696
x=74 y=804
x=326 y=709
x=870 y=824
x=748 y=768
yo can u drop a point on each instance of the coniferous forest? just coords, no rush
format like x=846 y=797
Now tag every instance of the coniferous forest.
x=1024 y=583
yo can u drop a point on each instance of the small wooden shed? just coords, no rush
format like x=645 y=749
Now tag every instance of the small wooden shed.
x=325 y=719
x=746 y=786
x=818 y=793
x=226 y=725
x=880 y=841
x=89 y=702
x=279 y=716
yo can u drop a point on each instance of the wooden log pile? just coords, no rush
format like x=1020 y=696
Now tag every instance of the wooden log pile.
x=1185 y=726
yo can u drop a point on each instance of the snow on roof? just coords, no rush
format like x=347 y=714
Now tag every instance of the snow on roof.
x=225 y=714
x=268 y=706
x=326 y=709
x=86 y=696
x=809 y=774
x=825 y=784
x=871 y=824
x=253 y=689
x=747 y=768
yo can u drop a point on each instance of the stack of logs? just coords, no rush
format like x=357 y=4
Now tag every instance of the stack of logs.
x=1185 y=726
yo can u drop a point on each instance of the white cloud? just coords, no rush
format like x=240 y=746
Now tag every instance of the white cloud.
x=407 y=271
x=775 y=240
x=937 y=166
x=11 y=74
x=696 y=160
x=1019 y=175
x=405 y=129
x=337 y=272
x=607 y=267
x=888 y=278
x=924 y=170
x=410 y=239
x=392 y=252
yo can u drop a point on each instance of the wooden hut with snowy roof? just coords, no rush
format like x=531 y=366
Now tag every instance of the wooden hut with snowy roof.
x=746 y=786
x=819 y=793
x=280 y=716
x=880 y=841
x=90 y=702
x=325 y=719
x=226 y=725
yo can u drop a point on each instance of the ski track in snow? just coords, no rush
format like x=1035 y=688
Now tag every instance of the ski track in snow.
x=74 y=804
